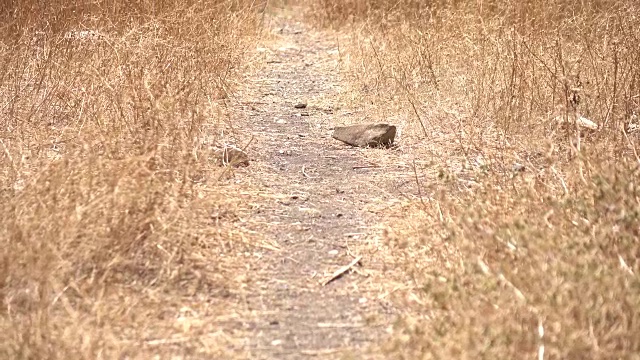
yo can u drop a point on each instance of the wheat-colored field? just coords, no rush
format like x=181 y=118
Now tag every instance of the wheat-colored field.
x=520 y=119
x=107 y=113
x=526 y=241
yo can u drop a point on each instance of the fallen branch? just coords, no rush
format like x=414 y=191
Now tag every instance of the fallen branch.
x=342 y=270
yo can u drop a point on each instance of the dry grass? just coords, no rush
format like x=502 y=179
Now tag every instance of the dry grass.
x=522 y=242
x=108 y=111
x=525 y=240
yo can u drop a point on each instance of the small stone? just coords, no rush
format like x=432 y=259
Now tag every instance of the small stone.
x=300 y=106
x=517 y=167
x=631 y=128
x=368 y=135
x=576 y=119
x=586 y=123
x=232 y=156
x=333 y=252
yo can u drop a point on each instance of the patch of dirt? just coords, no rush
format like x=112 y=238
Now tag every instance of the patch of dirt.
x=320 y=207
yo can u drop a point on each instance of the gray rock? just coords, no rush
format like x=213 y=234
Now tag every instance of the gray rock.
x=231 y=156
x=517 y=167
x=367 y=135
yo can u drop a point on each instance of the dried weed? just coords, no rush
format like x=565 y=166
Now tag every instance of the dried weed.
x=523 y=241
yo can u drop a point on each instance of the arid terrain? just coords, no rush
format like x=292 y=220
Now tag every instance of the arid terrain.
x=503 y=223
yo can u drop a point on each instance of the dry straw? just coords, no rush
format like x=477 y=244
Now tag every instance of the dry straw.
x=523 y=241
x=104 y=108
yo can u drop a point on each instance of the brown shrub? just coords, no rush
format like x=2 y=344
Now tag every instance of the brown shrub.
x=107 y=110
x=543 y=217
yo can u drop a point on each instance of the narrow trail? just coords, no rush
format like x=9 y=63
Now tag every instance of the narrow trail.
x=315 y=210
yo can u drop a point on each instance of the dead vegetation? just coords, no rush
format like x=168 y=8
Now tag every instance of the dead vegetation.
x=108 y=112
x=523 y=241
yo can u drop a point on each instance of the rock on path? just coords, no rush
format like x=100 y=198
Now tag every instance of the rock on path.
x=367 y=135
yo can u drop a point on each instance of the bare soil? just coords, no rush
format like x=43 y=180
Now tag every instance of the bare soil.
x=320 y=207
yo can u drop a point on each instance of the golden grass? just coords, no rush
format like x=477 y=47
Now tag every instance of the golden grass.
x=523 y=241
x=108 y=112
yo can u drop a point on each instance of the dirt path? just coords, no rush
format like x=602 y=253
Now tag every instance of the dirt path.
x=318 y=212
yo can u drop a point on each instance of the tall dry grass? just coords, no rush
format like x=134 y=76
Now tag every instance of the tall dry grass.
x=541 y=215
x=107 y=111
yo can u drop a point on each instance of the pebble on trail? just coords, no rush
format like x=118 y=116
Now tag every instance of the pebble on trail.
x=231 y=155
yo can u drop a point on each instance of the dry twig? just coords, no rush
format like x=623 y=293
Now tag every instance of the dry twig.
x=338 y=273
